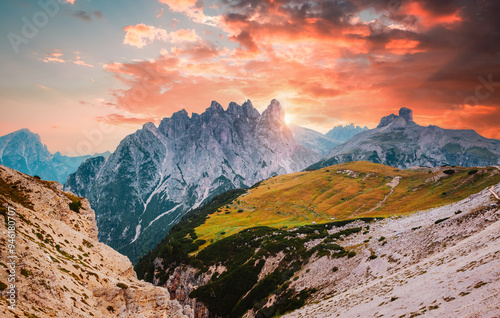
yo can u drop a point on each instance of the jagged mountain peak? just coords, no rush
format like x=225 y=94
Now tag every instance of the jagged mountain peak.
x=405 y=117
x=159 y=174
x=215 y=106
x=274 y=113
x=149 y=126
x=406 y=113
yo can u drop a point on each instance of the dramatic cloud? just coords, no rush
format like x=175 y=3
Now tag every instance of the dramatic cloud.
x=328 y=61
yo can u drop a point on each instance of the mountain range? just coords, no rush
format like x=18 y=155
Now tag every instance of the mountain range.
x=400 y=142
x=159 y=173
x=24 y=151
x=344 y=133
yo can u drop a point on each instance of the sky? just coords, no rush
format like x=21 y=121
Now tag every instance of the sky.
x=85 y=73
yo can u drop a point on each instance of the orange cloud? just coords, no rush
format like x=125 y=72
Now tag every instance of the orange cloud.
x=54 y=57
x=57 y=56
x=140 y=35
x=193 y=9
x=117 y=119
x=427 y=18
x=403 y=46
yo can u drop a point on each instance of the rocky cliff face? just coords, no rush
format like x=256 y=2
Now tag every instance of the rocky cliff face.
x=158 y=173
x=400 y=142
x=24 y=151
x=61 y=268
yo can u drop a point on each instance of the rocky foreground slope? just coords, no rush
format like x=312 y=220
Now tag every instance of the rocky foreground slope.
x=444 y=262
x=61 y=269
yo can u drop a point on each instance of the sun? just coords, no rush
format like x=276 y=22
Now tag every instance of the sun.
x=288 y=119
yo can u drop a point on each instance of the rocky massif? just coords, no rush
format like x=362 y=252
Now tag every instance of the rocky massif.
x=24 y=151
x=400 y=142
x=61 y=269
x=158 y=173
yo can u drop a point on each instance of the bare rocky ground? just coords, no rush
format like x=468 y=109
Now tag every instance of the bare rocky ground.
x=418 y=267
x=62 y=270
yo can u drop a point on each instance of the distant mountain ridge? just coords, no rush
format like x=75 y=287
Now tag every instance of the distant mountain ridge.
x=322 y=143
x=344 y=133
x=159 y=173
x=313 y=139
x=400 y=142
x=24 y=151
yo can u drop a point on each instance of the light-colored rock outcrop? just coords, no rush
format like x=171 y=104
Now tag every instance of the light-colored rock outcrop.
x=61 y=268
x=444 y=262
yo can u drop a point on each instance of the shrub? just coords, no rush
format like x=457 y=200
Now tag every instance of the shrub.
x=122 y=285
x=351 y=254
x=381 y=238
x=373 y=256
x=25 y=272
x=37 y=177
x=474 y=171
x=87 y=243
x=240 y=211
x=335 y=268
x=441 y=220
x=458 y=212
x=75 y=205
x=110 y=309
x=449 y=171
x=3 y=286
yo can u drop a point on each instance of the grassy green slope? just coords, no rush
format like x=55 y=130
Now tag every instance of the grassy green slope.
x=335 y=193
